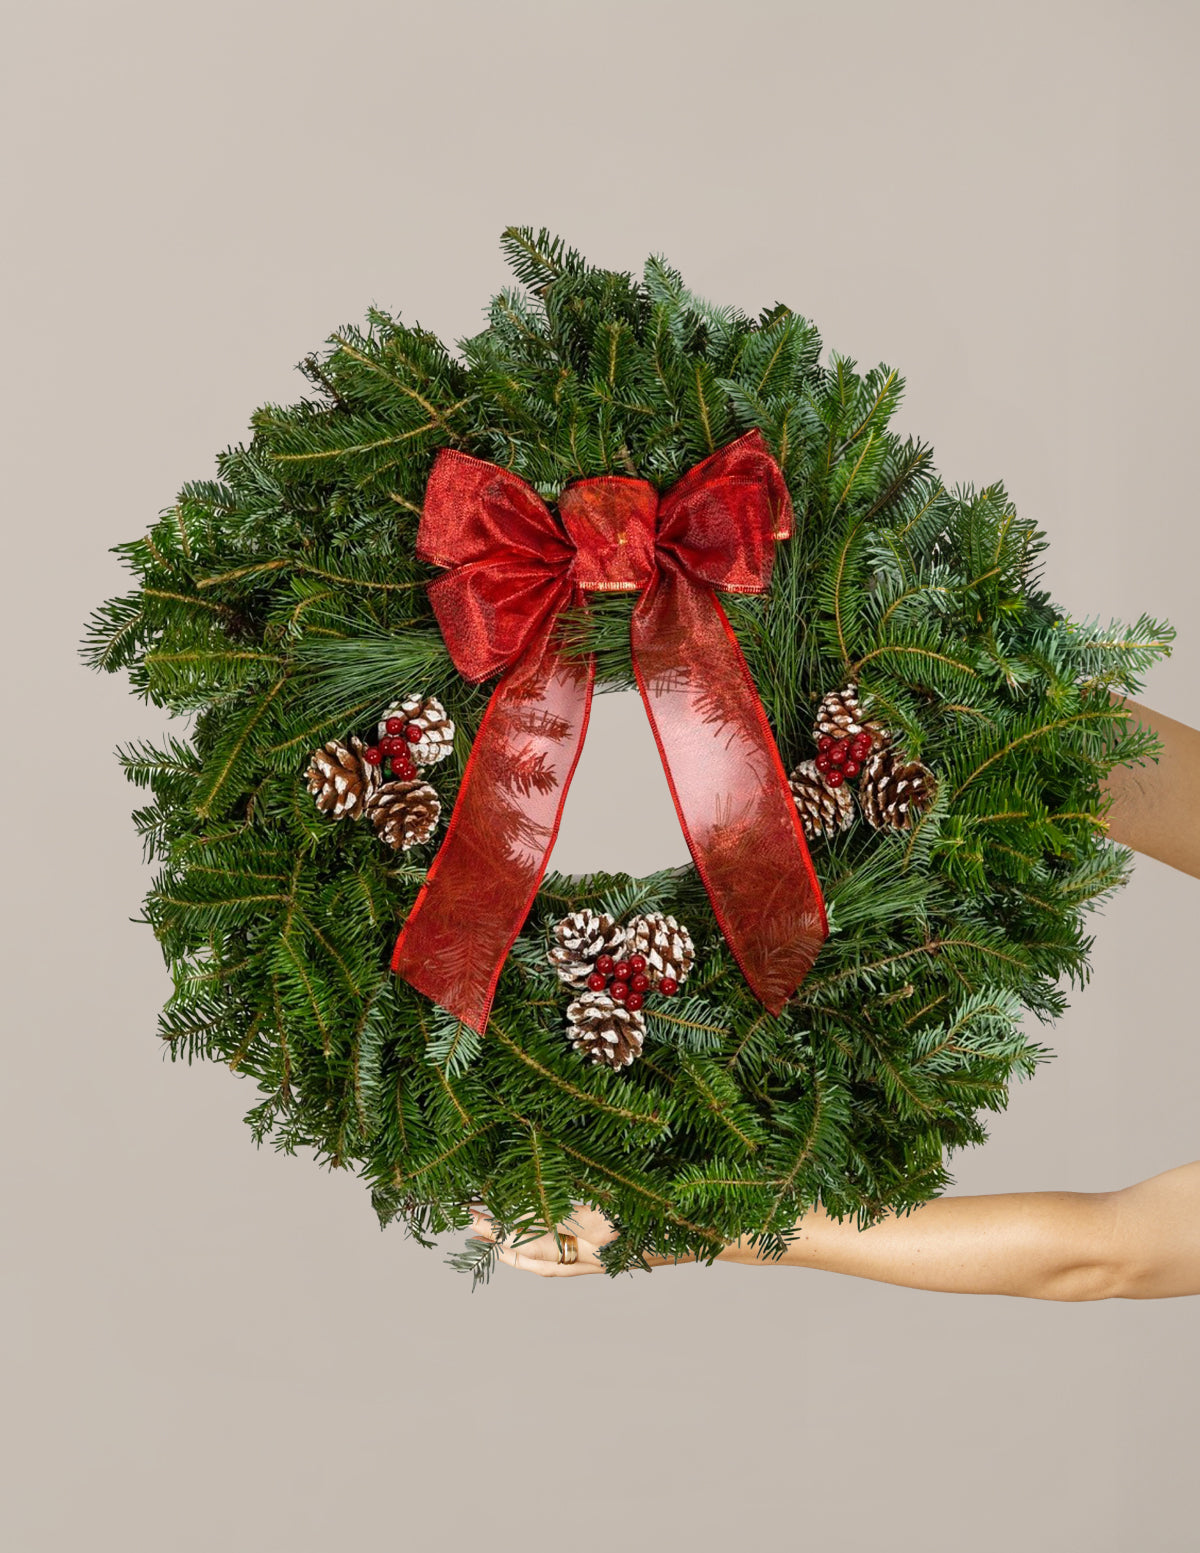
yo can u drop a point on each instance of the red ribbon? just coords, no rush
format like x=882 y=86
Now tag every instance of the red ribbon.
x=513 y=567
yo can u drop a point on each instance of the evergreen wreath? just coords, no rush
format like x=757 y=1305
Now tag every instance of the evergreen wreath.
x=282 y=608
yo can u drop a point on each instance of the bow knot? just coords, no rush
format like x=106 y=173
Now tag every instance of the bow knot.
x=611 y=523
x=513 y=566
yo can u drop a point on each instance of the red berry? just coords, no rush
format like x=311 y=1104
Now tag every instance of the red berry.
x=851 y=769
x=372 y=755
x=639 y=982
x=823 y=762
x=403 y=767
x=618 y=991
x=637 y=962
x=838 y=753
x=596 y=981
x=622 y=970
x=835 y=778
x=668 y=986
x=862 y=746
x=825 y=743
x=390 y=746
x=413 y=734
x=605 y=964
x=634 y=1001
x=395 y=725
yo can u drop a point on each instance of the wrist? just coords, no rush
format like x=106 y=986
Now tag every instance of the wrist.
x=811 y=1238
x=738 y=1251
x=654 y=1259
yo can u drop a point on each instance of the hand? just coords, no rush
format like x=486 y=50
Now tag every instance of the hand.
x=590 y=1228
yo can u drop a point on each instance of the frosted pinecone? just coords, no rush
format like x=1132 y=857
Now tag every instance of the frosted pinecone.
x=429 y=715
x=840 y=716
x=823 y=810
x=340 y=779
x=579 y=939
x=405 y=813
x=892 y=790
x=666 y=945
x=607 y=1033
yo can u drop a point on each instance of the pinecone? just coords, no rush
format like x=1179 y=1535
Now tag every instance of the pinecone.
x=610 y=1034
x=340 y=779
x=405 y=813
x=824 y=810
x=579 y=939
x=666 y=945
x=840 y=716
x=429 y=715
x=892 y=790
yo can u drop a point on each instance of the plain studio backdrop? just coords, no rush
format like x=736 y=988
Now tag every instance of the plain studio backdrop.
x=212 y=1347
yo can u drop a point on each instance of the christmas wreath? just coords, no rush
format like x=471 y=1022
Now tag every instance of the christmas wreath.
x=385 y=620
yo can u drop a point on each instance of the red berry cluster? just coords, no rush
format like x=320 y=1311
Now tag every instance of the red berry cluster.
x=394 y=746
x=629 y=983
x=840 y=760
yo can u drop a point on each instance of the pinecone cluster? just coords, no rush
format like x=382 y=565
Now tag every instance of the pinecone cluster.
x=346 y=778
x=614 y=967
x=850 y=744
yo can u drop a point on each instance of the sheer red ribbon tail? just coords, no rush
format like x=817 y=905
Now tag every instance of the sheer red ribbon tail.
x=483 y=881
x=729 y=786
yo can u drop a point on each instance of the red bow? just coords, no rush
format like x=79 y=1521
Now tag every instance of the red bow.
x=513 y=568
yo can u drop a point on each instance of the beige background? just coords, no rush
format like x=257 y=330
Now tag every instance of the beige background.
x=212 y=1348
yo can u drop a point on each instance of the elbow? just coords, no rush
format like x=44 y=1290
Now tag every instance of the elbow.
x=1101 y=1264
x=1089 y=1280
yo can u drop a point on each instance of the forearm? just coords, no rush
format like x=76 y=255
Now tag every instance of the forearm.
x=1156 y=807
x=1139 y=1243
x=1041 y=1245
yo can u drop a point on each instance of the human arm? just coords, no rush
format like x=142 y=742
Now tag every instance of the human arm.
x=1142 y=1242
x=1155 y=807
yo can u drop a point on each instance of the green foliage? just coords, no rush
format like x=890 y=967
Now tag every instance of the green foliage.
x=281 y=604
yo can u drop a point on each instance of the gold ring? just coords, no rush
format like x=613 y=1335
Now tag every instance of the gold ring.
x=568 y=1248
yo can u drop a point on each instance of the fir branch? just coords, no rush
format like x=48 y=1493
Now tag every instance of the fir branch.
x=453 y=1046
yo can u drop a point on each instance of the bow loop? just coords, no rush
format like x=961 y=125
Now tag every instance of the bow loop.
x=721 y=535
x=508 y=556
x=746 y=460
x=721 y=520
x=489 y=613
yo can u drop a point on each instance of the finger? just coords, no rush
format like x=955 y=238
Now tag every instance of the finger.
x=487 y=1232
x=591 y=1225
x=535 y=1255
x=483 y=1224
x=487 y=1227
x=586 y=1258
x=541 y=1256
x=545 y=1267
x=525 y=1263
